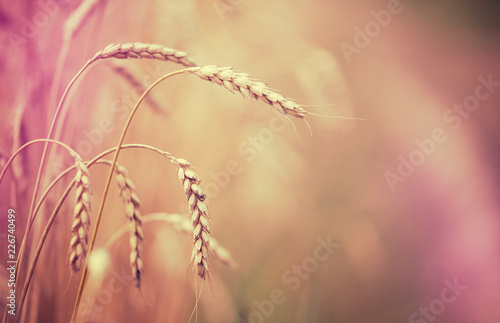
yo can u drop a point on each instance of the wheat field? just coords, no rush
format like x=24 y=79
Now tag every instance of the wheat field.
x=340 y=164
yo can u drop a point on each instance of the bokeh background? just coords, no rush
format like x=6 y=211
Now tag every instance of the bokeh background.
x=399 y=235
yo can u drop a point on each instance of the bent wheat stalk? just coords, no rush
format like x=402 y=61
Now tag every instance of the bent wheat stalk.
x=127 y=50
x=136 y=50
x=30 y=219
x=108 y=182
x=53 y=216
x=134 y=82
x=199 y=211
x=82 y=212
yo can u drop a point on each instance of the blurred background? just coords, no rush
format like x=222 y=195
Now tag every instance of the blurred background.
x=390 y=219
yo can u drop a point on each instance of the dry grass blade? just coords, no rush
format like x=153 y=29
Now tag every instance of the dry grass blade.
x=241 y=82
x=199 y=216
x=81 y=217
x=132 y=204
x=143 y=50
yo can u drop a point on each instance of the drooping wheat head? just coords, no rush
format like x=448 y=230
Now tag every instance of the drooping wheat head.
x=199 y=216
x=143 y=50
x=81 y=216
x=241 y=82
x=132 y=204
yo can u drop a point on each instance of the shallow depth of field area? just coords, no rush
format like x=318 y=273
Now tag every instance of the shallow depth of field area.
x=351 y=176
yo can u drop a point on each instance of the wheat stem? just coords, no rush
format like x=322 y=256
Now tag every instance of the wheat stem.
x=108 y=182
x=30 y=219
x=129 y=50
x=53 y=216
x=82 y=197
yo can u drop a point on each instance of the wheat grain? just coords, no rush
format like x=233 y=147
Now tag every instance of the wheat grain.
x=132 y=204
x=199 y=216
x=241 y=82
x=81 y=217
x=143 y=50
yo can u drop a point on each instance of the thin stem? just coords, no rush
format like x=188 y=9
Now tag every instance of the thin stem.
x=51 y=132
x=30 y=219
x=26 y=145
x=54 y=89
x=59 y=204
x=45 y=149
x=106 y=188
x=41 y=242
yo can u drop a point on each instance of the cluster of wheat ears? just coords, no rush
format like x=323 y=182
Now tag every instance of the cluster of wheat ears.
x=82 y=240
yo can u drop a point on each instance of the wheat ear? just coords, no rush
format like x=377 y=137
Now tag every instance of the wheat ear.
x=81 y=217
x=199 y=216
x=249 y=88
x=132 y=205
x=143 y=50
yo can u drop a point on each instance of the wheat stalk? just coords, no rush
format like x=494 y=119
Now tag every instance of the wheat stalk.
x=132 y=205
x=128 y=76
x=199 y=216
x=241 y=82
x=70 y=27
x=81 y=217
x=143 y=50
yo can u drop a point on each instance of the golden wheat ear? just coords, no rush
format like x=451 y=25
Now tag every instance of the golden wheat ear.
x=143 y=50
x=199 y=216
x=249 y=88
x=81 y=217
x=132 y=205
